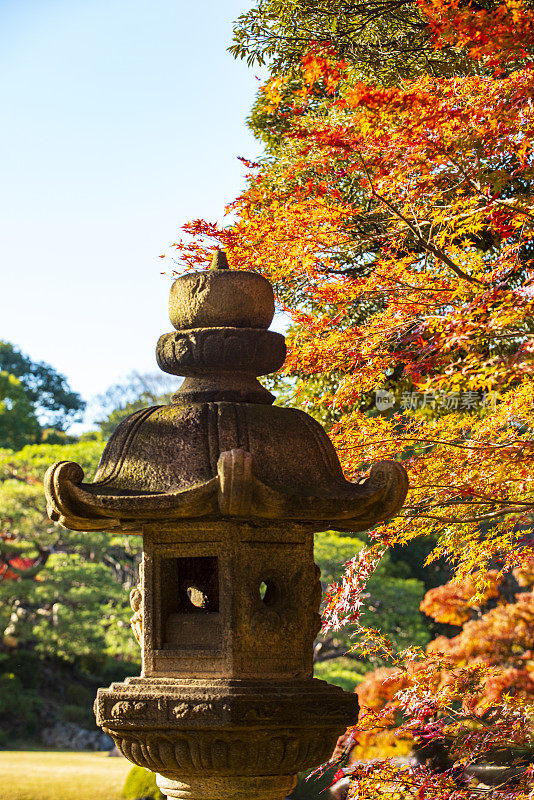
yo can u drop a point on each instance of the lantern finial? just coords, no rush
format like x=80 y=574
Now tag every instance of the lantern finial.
x=219 y=260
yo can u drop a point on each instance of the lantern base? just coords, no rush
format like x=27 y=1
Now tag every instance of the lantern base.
x=236 y=787
x=225 y=739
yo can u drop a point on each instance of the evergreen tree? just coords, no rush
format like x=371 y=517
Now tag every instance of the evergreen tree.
x=33 y=398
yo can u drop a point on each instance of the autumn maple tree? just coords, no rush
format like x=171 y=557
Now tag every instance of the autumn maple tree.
x=479 y=684
x=396 y=224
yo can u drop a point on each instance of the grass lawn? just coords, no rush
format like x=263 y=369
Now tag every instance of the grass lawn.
x=53 y=775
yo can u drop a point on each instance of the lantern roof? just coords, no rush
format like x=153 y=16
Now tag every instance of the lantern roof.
x=220 y=449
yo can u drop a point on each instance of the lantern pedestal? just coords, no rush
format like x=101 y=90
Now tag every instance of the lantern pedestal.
x=265 y=787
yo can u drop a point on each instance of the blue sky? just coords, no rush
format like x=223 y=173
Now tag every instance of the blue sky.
x=121 y=121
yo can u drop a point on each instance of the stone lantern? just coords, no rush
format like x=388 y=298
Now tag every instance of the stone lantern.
x=227 y=491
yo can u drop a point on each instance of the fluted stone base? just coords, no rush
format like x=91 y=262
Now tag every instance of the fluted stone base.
x=211 y=739
x=238 y=787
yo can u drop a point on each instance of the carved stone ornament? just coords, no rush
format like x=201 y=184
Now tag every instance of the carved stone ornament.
x=136 y=602
x=227 y=491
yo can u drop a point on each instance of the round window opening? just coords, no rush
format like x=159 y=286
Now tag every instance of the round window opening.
x=269 y=593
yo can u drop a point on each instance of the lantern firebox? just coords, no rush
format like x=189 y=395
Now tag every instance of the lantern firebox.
x=227 y=491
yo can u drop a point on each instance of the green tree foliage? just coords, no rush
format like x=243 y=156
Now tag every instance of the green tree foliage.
x=33 y=398
x=384 y=39
x=63 y=594
x=18 y=421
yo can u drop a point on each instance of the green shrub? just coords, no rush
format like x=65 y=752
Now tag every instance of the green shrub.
x=141 y=782
x=78 y=695
x=314 y=788
x=80 y=715
x=19 y=704
x=25 y=664
x=342 y=671
x=115 y=671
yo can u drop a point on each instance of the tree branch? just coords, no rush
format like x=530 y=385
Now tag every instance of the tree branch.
x=437 y=252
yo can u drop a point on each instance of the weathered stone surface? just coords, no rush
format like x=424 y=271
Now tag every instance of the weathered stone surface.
x=221 y=298
x=227 y=491
x=197 y=352
x=193 y=731
x=229 y=629
x=224 y=363
x=169 y=463
x=178 y=704
x=264 y=787
x=242 y=727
